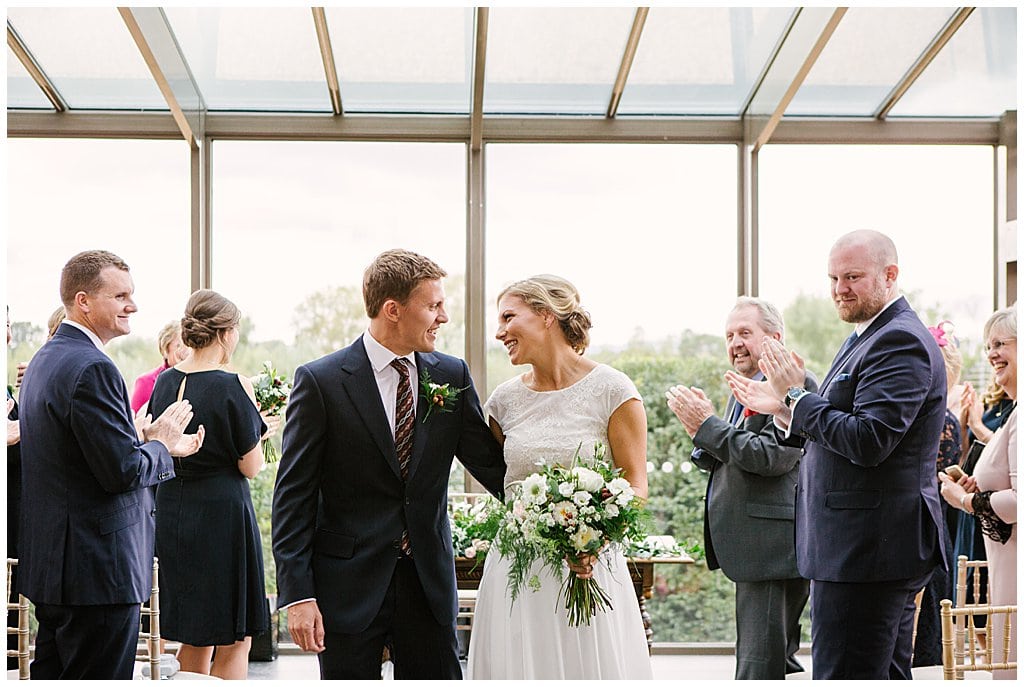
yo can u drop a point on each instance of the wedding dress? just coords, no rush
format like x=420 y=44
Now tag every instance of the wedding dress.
x=531 y=638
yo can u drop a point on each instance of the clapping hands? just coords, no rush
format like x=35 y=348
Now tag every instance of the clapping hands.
x=782 y=369
x=690 y=405
x=169 y=429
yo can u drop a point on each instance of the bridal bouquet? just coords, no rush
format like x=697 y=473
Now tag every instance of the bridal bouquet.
x=566 y=512
x=272 y=392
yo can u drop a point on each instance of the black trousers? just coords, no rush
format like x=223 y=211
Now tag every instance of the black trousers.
x=86 y=642
x=863 y=631
x=421 y=648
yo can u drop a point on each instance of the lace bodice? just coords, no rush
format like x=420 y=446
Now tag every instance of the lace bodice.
x=547 y=426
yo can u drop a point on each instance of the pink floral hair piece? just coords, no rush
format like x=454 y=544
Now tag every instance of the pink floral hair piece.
x=943 y=333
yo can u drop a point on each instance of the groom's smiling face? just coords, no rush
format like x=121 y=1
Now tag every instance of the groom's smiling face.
x=421 y=316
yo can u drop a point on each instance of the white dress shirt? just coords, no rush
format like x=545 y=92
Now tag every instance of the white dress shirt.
x=387 y=377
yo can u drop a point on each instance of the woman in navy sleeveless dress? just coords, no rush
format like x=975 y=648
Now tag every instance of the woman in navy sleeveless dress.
x=207 y=538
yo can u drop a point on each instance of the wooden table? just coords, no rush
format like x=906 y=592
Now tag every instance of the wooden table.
x=641 y=571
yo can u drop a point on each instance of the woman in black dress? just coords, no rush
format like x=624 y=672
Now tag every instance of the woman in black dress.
x=207 y=538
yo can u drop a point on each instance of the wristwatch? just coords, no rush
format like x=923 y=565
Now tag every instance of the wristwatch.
x=793 y=394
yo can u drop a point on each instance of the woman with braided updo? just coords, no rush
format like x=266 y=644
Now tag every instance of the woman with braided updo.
x=562 y=401
x=207 y=538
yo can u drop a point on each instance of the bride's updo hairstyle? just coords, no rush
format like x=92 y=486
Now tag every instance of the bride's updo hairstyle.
x=208 y=315
x=548 y=293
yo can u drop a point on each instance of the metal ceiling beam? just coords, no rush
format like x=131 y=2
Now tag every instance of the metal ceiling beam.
x=323 y=37
x=805 y=42
x=925 y=59
x=26 y=58
x=725 y=130
x=152 y=34
x=639 y=19
x=481 y=16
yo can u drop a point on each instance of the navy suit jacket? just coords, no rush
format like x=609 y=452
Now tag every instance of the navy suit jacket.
x=340 y=504
x=867 y=502
x=88 y=508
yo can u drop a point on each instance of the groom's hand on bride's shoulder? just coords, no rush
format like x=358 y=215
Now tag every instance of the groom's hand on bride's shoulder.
x=306 y=626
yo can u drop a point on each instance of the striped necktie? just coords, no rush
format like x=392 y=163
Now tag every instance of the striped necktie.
x=404 y=425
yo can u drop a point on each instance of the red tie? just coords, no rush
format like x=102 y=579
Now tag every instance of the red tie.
x=404 y=425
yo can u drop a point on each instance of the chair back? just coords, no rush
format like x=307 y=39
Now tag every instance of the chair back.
x=964 y=568
x=960 y=650
x=21 y=606
x=151 y=639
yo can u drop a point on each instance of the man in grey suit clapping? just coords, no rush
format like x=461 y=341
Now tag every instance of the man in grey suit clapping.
x=748 y=516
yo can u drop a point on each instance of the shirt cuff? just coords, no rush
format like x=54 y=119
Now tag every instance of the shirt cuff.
x=300 y=601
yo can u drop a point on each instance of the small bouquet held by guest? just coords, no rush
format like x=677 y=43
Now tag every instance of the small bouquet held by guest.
x=565 y=513
x=272 y=392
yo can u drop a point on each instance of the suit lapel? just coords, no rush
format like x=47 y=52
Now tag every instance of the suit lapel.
x=425 y=362
x=361 y=386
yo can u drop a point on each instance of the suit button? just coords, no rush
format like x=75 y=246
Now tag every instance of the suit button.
x=153 y=512
x=396 y=544
x=408 y=501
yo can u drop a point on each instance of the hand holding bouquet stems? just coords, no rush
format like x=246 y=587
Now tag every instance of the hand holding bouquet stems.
x=271 y=391
x=563 y=517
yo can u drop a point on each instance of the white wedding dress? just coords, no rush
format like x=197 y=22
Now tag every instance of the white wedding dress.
x=531 y=639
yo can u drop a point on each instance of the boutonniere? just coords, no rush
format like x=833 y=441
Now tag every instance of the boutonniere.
x=439 y=397
x=749 y=412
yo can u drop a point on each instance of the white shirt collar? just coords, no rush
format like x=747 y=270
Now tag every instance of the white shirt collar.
x=863 y=326
x=380 y=356
x=88 y=332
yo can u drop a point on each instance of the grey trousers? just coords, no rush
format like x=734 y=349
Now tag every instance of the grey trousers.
x=768 y=628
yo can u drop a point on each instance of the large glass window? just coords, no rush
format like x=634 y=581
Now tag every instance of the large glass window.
x=647 y=233
x=296 y=223
x=129 y=197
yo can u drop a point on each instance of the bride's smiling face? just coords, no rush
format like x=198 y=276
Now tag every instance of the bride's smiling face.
x=520 y=330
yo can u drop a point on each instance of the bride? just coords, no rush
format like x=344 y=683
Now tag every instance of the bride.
x=543 y=415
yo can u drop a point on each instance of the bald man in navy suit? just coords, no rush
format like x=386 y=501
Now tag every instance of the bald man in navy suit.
x=867 y=510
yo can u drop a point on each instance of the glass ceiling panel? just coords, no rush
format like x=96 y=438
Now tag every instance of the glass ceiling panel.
x=553 y=60
x=403 y=60
x=975 y=75
x=253 y=58
x=89 y=55
x=22 y=91
x=701 y=61
x=870 y=51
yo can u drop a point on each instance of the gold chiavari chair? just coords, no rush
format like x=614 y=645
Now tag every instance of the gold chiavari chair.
x=22 y=629
x=960 y=648
x=151 y=639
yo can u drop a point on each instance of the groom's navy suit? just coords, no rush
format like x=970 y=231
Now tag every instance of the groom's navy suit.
x=88 y=510
x=341 y=505
x=867 y=510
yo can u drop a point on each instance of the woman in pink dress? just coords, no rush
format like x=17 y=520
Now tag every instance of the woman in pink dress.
x=990 y=495
x=173 y=351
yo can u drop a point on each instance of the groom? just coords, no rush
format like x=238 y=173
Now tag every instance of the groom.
x=360 y=526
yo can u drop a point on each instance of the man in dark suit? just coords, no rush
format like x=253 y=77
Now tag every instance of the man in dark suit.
x=867 y=514
x=87 y=519
x=748 y=512
x=361 y=535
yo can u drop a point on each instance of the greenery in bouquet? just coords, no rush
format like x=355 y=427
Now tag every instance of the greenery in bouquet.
x=474 y=526
x=272 y=392
x=566 y=512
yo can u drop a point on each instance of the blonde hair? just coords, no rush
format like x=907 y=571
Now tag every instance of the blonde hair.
x=168 y=333
x=207 y=316
x=549 y=293
x=52 y=324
